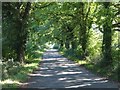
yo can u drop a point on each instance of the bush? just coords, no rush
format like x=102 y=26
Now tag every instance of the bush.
x=10 y=68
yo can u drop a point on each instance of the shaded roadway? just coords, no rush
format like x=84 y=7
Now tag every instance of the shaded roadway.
x=56 y=71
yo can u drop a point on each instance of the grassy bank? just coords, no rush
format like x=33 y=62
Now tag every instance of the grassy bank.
x=108 y=72
x=18 y=73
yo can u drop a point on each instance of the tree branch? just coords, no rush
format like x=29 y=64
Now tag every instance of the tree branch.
x=116 y=25
x=87 y=13
x=117 y=30
x=27 y=9
x=43 y=6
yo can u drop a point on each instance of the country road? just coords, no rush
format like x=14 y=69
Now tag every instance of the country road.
x=56 y=71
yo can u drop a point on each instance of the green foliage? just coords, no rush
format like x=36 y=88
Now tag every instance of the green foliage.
x=16 y=73
x=94 y=48
x=98 y=36
x=79 y=29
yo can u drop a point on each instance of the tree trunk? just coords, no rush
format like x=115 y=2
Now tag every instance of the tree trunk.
x=20 y=54
x=83 y=30
x=73 y=45
x=67 y=44
x=107 y=38
x=22 y=34
x=61 y=44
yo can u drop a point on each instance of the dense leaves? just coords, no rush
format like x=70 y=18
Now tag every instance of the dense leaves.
x=85 y=30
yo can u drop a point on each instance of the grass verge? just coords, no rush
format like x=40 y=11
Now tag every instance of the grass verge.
x=20 y=73
x=95 y=68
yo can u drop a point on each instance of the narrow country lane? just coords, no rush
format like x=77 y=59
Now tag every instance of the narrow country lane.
x=56 y=71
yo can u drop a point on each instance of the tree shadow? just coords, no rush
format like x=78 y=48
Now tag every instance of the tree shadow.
x=55 y=71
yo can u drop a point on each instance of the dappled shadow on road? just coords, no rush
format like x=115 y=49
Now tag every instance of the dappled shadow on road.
x=55 y=71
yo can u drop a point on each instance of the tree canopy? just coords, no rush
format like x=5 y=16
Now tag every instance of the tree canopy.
x=88 y=30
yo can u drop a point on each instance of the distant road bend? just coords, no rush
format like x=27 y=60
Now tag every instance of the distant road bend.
x=56 y=71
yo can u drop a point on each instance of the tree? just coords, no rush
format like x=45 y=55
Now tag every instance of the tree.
x=23 y=33
x=15 y=17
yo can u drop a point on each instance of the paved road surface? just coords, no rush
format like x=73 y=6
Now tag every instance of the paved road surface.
x=56 y=71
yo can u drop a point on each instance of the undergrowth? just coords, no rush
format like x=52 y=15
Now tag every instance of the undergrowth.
x=111 y=72
x=14 y=73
